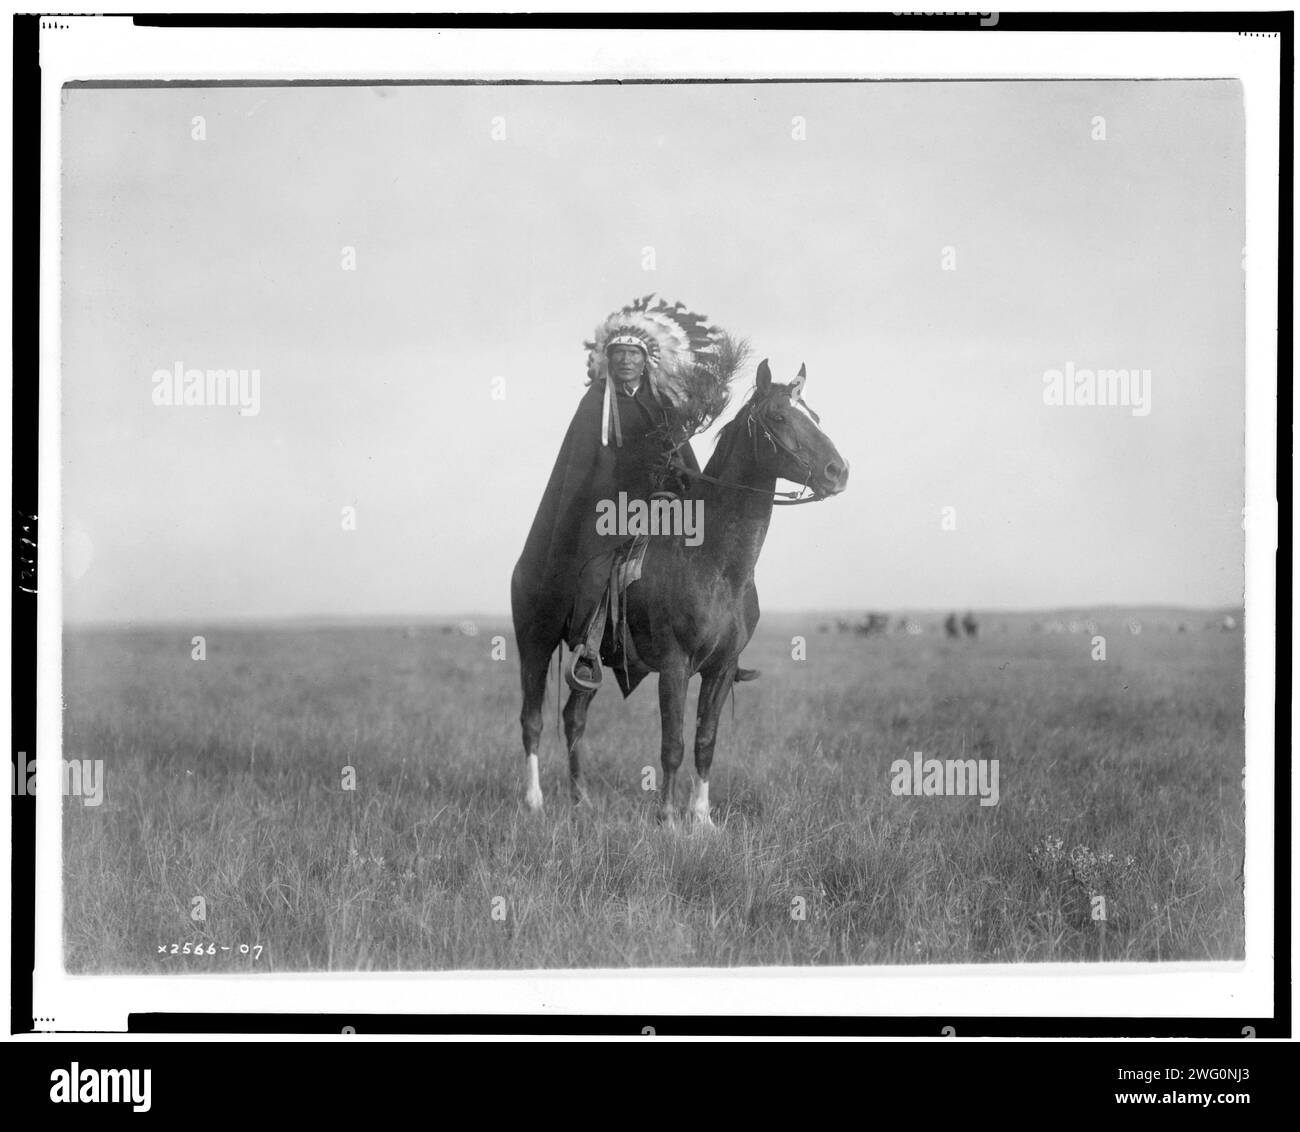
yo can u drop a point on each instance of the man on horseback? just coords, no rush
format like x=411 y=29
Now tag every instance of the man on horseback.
x=642 y=441
x=656 y=375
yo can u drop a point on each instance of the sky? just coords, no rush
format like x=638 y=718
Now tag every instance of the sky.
x=928 y=250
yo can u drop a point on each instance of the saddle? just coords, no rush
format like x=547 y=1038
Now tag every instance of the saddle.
x=617 y=650
x=608 y=622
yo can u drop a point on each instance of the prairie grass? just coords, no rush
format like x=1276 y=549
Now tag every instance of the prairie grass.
x=1119 y=778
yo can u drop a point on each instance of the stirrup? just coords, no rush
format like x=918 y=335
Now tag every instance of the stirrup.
x=579 y=683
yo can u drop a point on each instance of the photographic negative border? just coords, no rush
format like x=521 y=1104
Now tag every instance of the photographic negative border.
x=35 y=626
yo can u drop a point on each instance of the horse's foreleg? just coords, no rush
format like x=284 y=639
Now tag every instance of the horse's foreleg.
x=533 y=663
x=673 y=678
x=575 y=726
x=714 y=687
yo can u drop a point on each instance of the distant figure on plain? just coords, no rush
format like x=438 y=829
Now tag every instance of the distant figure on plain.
x=872 y=624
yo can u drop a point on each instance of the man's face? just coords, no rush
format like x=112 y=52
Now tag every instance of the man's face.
x=626 y=363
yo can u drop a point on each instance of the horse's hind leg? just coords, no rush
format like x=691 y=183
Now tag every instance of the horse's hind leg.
x=673 y=678
x=714 y=687
x=534 y=660
x=575 y=726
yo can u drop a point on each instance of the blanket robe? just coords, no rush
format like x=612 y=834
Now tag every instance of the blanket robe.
x=561 y=575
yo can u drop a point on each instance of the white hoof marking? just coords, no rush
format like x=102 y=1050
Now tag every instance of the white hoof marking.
x=700 y=804
x=533 y=791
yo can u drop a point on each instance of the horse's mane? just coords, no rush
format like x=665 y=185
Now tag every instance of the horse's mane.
x=725 y=441
x=727 y=431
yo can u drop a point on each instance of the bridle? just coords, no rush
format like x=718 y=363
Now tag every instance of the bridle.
x=779 y=498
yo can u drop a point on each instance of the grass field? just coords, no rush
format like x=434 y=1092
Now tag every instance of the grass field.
x=224 y=781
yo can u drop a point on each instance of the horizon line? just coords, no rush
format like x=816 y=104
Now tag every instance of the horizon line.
x=361 y=619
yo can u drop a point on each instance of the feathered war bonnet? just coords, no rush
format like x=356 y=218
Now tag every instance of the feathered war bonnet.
x=689 y=363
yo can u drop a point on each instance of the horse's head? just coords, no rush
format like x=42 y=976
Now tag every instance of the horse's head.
x=788 y=441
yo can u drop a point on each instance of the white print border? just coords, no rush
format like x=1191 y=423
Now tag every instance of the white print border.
x=113 y=49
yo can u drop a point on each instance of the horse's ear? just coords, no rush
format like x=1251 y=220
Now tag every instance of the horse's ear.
x=796 y=386
x=764 y=379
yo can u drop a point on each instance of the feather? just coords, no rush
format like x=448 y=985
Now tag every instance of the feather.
x=690 y=362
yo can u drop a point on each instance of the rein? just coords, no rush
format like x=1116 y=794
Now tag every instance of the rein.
x=779 y=498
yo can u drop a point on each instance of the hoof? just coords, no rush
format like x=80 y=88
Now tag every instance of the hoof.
x=666 y=818
x=703 y=822
x=700 y=806
x=533 y=802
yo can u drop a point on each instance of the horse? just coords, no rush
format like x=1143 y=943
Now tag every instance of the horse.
x=694 y=608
